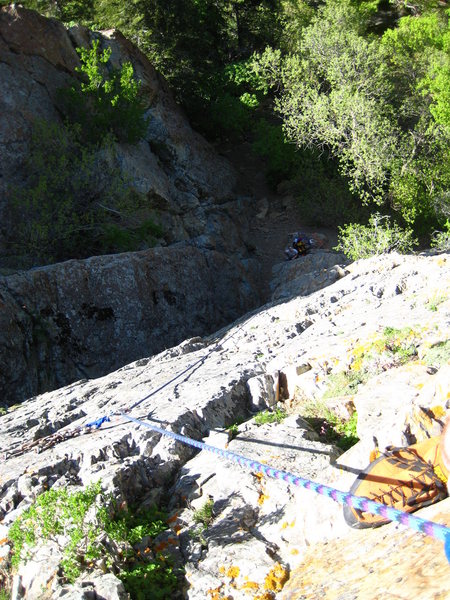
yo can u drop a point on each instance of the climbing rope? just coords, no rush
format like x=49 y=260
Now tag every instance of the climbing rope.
x=191 y=367
x=51 y=440
x=429 y=528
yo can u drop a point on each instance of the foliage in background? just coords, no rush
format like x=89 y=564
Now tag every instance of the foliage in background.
x=378 y=104
x=75 y=202
x=440 y=240
x=84 y=517
x=107 y=101
x=364 y=85
x=380 y=236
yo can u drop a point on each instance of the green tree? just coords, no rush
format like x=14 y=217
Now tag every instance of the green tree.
x=379 y=106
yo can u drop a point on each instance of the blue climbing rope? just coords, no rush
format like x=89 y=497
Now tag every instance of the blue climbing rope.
x=429 y=528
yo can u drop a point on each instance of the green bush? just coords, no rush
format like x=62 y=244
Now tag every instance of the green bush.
x=205 y=515
x=107 y=101
x=329 y=426
x=54 y=513
x=84 y=517
x=440 y=240
x=380 y=236
x=75 y=202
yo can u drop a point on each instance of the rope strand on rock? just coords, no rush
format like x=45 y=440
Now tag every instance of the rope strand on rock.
x=429 y=528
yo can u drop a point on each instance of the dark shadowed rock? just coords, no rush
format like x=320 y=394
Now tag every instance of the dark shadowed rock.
x=82 y=319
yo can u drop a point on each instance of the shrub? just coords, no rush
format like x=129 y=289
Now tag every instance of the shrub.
x=54 y=513
x=440 y=240
x=380 y=236
x=75 y=201
x=275 y=416
x=108 y=99
x=97 y=533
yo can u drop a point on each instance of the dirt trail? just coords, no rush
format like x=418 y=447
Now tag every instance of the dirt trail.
x=277 y=217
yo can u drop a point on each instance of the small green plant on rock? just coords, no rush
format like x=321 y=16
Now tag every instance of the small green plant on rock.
x=205 y=515
x=329 y=426
x=270 y=416
x=435 y=301
x=345 y=383
x=97 y=533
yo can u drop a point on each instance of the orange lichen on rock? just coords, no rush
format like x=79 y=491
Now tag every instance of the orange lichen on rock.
x=276 y=578
x=265 y=596
x=262 y=498
x=216 y=594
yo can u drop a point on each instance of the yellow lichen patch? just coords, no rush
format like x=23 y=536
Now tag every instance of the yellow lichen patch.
x=295 y=551
x=438 y=411
x=222 y=570
x=262 y=498
x=250 y=585
x=284 y=525
x=233 y=572
x=276 y=578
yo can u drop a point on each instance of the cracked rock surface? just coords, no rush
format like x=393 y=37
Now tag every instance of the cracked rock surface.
x=281 y=355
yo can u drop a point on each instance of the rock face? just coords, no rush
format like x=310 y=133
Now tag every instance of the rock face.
x=386 y=321
x=81 y=319
x=173 y=166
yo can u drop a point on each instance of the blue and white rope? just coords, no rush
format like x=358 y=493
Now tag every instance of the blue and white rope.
x=429 y=528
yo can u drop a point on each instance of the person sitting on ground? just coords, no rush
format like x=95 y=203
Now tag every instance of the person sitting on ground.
x=301 y=245
x=405 y=478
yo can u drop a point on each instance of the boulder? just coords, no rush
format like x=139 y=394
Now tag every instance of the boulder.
x=307 y=274
x=388 y=562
